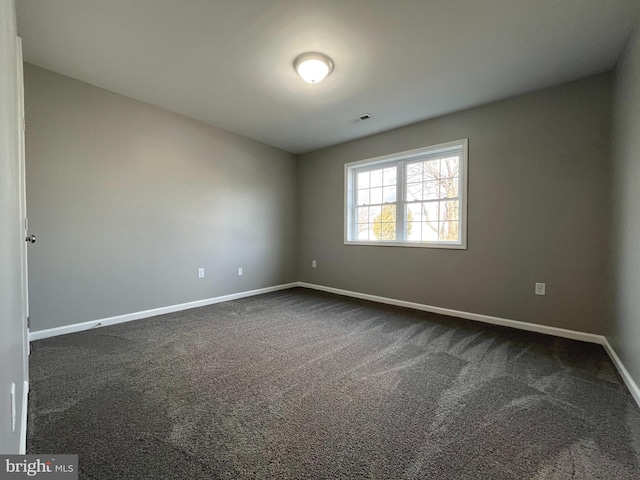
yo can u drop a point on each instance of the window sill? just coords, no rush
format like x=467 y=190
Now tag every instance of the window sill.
x=449 y=246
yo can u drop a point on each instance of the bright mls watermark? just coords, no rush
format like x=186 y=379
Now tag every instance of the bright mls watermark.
x=52 y=467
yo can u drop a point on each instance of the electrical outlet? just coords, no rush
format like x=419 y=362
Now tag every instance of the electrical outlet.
x=313 y=264
x=240 y=272
x=541 y=288
x=201 y=273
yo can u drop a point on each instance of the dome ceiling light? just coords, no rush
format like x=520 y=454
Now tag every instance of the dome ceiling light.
x=313 y=67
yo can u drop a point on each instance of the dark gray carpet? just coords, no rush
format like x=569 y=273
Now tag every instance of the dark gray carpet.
x=300 y=384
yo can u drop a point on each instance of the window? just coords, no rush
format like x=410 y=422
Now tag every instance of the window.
x=415 y=198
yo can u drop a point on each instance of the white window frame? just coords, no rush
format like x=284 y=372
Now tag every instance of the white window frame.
x=400 y=160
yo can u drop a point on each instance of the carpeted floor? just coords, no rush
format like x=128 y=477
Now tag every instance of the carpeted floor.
x=300 y=384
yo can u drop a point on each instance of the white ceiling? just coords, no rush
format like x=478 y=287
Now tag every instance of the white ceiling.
x=230 y=62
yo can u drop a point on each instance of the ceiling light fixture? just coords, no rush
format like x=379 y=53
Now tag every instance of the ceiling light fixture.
x=313 y=67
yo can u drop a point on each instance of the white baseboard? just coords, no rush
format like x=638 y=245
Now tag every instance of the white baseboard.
x=532 y=327
x=78 y=327
x=624 y=373
x=23 y=419
x=103 y=322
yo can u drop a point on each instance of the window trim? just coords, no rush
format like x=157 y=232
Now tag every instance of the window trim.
x=403 y=157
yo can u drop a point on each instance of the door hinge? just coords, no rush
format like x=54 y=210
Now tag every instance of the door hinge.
x=28 y=323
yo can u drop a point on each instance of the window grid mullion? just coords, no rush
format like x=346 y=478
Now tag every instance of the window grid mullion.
x=400 y=213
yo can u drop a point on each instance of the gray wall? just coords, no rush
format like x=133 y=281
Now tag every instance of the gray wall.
x=11 y=239
x=538 y=212
x=128 y=200
x=624 y=331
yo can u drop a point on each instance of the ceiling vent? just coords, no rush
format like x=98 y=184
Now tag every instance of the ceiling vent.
x=361 y=117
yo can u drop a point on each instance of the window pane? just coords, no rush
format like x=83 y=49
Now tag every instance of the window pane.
x=389 y=194
x=449 y=210
x=384 y=227
x=385 y=231
x=431 y=190
x=376 y=195
x=429 y=232
x=414 y=212
x=376 y=178
x=362 y=180
x=363 y=231
x=432 y=170
x=414 y=231
x=385 y=214
x=430 y=211
x=449 y=187
x=449 y=167
x=414 y=192
x=389 y=176
x=389 y=213
x=363 y=197
x=414 y=172
x=374 y=212
x=362 y=214
x=449 y=232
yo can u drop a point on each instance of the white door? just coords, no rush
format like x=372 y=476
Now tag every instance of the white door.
x=23 y=190
x=13 y=248
x=23 y=212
